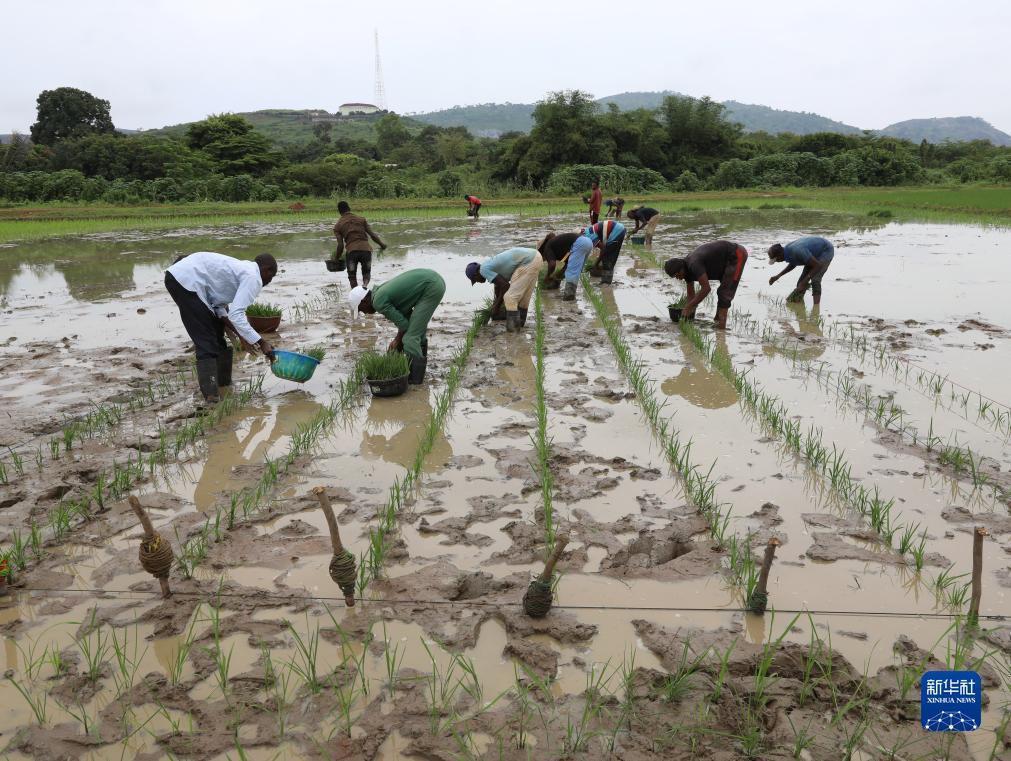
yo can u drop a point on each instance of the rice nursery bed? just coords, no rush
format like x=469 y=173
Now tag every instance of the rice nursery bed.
x=864 y=444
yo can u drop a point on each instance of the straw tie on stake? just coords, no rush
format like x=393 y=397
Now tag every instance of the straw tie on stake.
x=759 y=599
x=537 y=600
x=155 y=551
x=342 y=564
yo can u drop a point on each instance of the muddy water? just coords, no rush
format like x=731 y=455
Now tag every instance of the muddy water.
x=473 y=534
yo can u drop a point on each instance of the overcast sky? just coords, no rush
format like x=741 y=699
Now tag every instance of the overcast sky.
x=168 y=61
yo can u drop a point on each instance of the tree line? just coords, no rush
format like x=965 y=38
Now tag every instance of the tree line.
x=74 y=153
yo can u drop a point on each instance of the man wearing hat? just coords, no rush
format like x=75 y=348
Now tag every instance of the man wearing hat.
x=409 y=300
x=514 y=275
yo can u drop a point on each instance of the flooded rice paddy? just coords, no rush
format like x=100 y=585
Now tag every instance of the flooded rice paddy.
x=647 y=653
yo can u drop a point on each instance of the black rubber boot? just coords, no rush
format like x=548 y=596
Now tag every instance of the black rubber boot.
x=523 y=317
x=550 y=284
x=424 y=348
x=569 y=294
x=512 y=322
x=500 y=313
x=417 y=370
x=225 y=367
x=207 y=377
x=606 y=277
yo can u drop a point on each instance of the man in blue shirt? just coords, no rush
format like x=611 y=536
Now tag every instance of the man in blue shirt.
x=514 y=274
x=812 y=253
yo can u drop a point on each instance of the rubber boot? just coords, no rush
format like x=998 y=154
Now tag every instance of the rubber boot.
x=523 y=317
x=207 y=377
x=417 y=370
x=512 y=322
x=551 y=284
x=569 y=294
x=596 y=270
x=606 y=277
x=225 y=367
x=500 y=313
x=424 y=348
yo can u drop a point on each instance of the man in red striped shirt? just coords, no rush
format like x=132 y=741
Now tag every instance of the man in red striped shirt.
x=721 y=260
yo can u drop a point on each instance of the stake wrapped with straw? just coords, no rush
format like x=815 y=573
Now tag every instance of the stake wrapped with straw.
x=537 y=600
x=156 y=554
x=342 y=564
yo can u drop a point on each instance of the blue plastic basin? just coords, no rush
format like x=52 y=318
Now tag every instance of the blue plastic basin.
x=290 y=365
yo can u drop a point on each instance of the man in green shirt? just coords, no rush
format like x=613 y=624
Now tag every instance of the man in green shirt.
x=408 y=301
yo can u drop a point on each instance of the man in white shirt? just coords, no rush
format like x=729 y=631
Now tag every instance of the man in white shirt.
x=212 y=290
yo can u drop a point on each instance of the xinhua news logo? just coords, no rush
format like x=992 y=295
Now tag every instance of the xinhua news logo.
x=951 y=701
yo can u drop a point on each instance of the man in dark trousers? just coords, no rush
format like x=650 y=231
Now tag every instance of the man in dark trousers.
x=409 y=300
x=554 y=248
x=212 y=292
x=614 y=207
x=646 y=219
x=595 y=199
x=474 y=208
x=814 y=254
x=353 y=233
x=721 y=260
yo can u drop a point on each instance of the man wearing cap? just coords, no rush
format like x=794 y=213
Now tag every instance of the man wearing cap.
x=408 y=301
x=721 y=260
x=514 y=274
x=553 y=249
x=646 y=219
x=353 y=233
x=607 y=236
x=213 y=292
x=814 y=254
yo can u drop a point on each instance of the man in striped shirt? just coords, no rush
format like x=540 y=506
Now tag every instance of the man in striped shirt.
x=608 y=237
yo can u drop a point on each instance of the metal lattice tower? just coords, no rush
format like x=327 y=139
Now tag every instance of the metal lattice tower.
x=380 y=86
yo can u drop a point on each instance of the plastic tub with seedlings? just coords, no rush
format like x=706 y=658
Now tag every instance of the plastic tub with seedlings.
x=676 y=308
x=385 y=373
x=263 y=317
x=638 y=240
x=290 y=365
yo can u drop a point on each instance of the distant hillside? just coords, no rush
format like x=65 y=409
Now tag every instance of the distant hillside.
x=496 y=118
x=951 y=128
x=294 y=126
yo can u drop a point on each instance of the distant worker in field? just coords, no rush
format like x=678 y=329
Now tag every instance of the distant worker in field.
x=646 y=219
x=608 y=236
x=595 y=199
x=475 y=206
x=514 y=274
x=554 y=248
x=614 y=207
x=812 y=253
x=408 y=301
x=353 y=233
x=213 y=292
x=581 y=248
x=721 y=260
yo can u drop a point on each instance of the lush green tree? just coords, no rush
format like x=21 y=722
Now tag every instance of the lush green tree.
x=699 y=136
x=232 y=144
x=67 y=112
x=391 y=134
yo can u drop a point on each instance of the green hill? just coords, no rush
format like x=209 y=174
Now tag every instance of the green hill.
x=757 y=118
x=294 y=126
x=956 y=128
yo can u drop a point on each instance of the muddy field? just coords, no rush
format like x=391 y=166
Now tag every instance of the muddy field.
x=647 y=652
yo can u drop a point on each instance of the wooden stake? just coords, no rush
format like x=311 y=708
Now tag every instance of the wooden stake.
x=331 y=519
x=549 y=567
x=977 y=574
x=760 y=597
x=145 y=522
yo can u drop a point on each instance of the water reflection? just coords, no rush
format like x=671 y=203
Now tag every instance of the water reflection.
x=809 y=324
x=394 y=426
x=696 y=383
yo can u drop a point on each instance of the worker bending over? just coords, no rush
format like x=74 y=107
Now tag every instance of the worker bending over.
x=408 y=301
x=614 y=207
x=814 y=254
x=212 y=292
x=514 y=274
x=646 y=219
x=353 y=233
x=721 y=260
x=608 y=237
x=554 y=248
x=474 y=208
x=581 y=248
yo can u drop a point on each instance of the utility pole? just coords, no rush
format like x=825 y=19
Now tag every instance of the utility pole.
x=380 y=86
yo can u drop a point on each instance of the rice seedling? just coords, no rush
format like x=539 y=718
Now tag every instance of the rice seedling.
x=3 y=473
x=263 y=309
x=93 y=646
x=316 y=352
x=38 y=458
x=127 y=658
x=678 y=682
x=177 y=664
x=303 y=664
x=18 y=461
x=542 y=443
x=222 y=660
x=384 y=365
x=393 y=656
x=35 y=540
x=54 y=449
x=37 y=703
x=193 y=550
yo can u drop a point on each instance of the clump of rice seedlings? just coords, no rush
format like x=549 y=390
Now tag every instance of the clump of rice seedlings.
x=304 y=662
x=94 y=647
x=263 y=309
x=19 y=462
x=316 y=352
x=384 y=365
x=177 y=664
x=37 y=703
x=3 y=472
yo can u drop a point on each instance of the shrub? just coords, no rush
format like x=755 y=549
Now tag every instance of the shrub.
x=687 y=182
x=613 y=179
